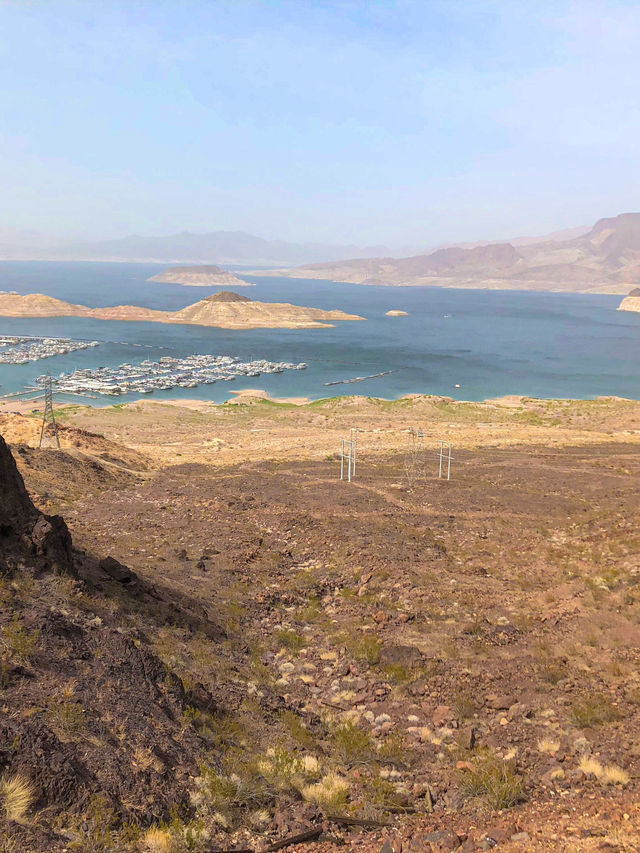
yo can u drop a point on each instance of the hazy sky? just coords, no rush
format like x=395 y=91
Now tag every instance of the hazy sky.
x=408 y=122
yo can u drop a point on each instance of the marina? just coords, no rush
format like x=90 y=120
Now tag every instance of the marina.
x=163 y=375
x=23 y=350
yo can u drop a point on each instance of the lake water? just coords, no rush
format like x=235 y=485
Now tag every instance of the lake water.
x=490 y=343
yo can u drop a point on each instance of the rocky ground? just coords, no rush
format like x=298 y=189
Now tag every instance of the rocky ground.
x=396 y=663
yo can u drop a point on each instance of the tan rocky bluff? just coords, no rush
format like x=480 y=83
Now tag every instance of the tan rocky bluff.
x=224 y=310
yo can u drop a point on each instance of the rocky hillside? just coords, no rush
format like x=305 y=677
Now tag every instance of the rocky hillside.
x=605 y=260
x=93 y=725
x=200 y=276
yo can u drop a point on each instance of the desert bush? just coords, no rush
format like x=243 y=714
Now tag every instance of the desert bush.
x=291 y=640
x=19 y=641
x=493 y=780
x=65 y=712
x=16 y=797
x=297 y=729
x=594 y=711
x=393 y=750
x=352 y=744
x=464 y=704
x=368 y=649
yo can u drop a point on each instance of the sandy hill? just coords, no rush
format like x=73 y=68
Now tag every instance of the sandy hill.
x=226 y=310
x=604 y=260
x=200 y=276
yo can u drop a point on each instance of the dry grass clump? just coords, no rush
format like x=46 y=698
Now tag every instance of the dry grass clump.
x=331 y=791
x=16 y=797
x=594 y=711
x=493 y=780
x=605 y=774
x=548 y=745
x=157 y=840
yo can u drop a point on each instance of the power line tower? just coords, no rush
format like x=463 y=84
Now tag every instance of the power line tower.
x=48 y=417
x=414 y=460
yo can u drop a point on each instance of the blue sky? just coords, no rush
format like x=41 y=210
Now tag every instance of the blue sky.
x=412 y=122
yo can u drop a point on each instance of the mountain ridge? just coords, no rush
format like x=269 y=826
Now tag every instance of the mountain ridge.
x=604 y=260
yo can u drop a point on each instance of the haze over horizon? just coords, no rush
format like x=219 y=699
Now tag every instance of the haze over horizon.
x=397 y=123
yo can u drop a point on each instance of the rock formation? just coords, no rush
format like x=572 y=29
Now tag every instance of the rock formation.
x=631 y=302
x=224 y=310
x=200 y=276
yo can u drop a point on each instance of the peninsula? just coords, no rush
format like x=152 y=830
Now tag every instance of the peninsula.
x=206 y=275
x=224 y=310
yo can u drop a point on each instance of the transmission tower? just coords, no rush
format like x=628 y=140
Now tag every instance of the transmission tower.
x=48 y=416
x=414 y=460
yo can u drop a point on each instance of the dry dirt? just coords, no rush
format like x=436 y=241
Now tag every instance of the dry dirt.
x=463 y=654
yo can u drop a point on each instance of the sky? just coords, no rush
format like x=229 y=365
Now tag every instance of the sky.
x=395 y=122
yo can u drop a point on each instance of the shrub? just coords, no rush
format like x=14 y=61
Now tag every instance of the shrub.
x=291 y=640
x=16 y=796
x=352 y=744
x=20 y=642
x=493 y=780
x=594 y=711
x=368 y=649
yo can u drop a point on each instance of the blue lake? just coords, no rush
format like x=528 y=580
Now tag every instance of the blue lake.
x=490 y=343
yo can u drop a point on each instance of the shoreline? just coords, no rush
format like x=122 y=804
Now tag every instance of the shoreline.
x=240 y=395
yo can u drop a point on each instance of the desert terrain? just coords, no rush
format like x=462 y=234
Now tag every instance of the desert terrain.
x=223 y=310
x=400 y=662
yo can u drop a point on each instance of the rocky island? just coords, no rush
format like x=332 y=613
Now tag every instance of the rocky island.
x=224 y=310
x=631 y=302
x=206 y=275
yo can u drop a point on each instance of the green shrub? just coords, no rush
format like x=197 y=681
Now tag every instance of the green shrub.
x=594 y=711
x=492 y=780
x=352 y=744
x=291 y=640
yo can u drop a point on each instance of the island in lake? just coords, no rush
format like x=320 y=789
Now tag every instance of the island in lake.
x=206 y=275
x=631 y=302
x=224 y=310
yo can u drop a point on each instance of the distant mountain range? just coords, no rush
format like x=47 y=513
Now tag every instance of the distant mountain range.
x=605 y=259
x=219 y=247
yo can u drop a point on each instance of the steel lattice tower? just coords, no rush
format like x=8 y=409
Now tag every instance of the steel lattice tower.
x=48 y=416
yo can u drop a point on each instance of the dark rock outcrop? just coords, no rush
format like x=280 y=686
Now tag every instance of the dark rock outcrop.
x=24 y=531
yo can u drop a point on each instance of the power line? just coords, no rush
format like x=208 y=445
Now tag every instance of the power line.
x=48 y=415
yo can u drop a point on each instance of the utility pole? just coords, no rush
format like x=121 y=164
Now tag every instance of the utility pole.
x=445 y=455
x=48 y=416
x=354 y=444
